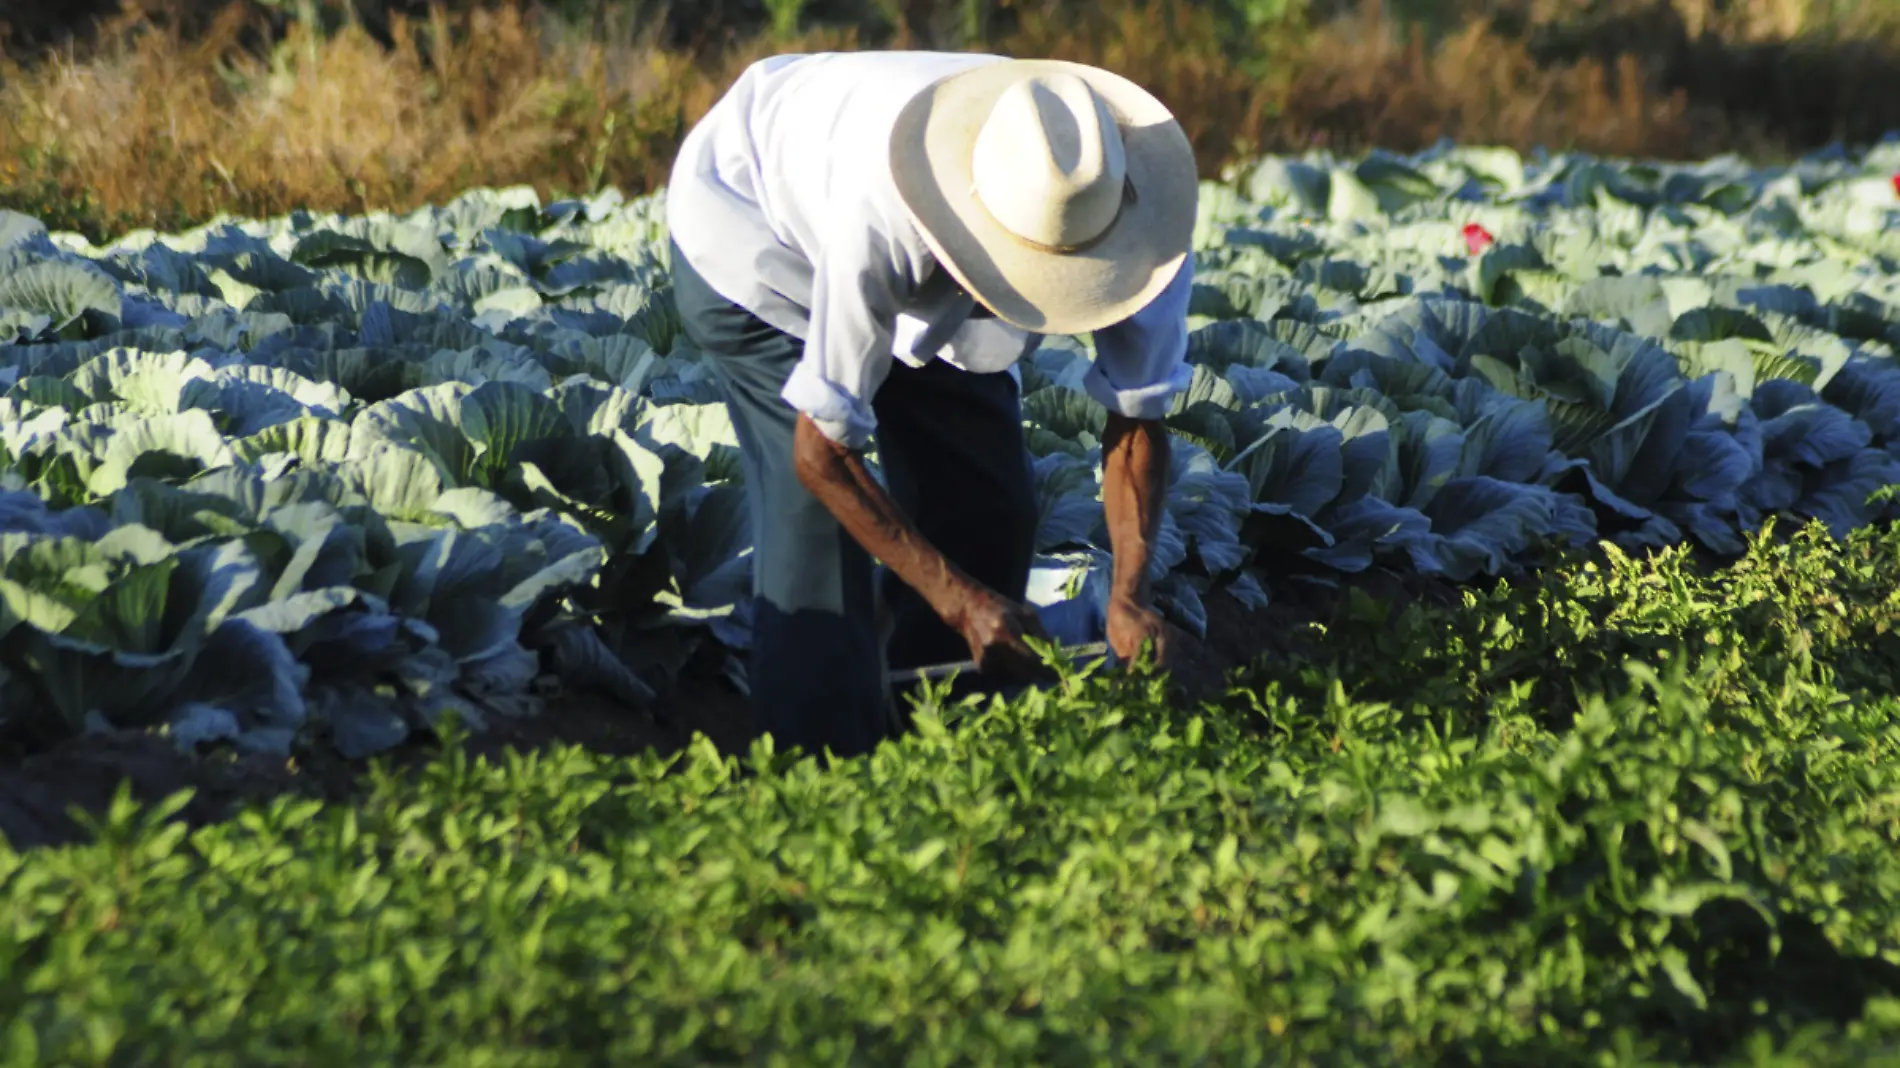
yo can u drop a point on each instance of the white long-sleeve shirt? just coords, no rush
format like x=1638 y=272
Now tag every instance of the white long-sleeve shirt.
x=782 y=199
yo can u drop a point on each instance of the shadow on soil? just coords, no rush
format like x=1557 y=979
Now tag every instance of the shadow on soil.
x=37 y=792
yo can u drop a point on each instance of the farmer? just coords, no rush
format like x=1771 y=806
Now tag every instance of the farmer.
x=865 y=245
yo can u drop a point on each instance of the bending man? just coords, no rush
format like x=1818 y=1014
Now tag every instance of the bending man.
x=865 y=245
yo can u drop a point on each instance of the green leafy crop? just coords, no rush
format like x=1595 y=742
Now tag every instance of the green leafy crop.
x=1632 y=811
x=462 y=449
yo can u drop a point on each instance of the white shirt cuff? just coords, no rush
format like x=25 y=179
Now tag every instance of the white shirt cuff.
x=1143 y=402
x=840 y=417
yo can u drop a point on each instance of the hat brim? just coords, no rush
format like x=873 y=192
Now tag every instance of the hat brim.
x=1037 y=289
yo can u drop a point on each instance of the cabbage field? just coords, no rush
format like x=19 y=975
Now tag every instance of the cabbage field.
x=1555 y=488
x=321 y=479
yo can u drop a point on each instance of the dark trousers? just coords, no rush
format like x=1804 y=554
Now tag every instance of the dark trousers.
x=950 y=449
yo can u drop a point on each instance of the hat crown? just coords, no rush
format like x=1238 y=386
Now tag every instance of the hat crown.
x=1048 y=163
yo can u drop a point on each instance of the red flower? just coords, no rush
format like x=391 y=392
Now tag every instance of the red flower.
x=1896 y=185
x=1477 y=238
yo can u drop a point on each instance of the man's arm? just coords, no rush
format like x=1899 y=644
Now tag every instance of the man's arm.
x=857 y=290
x=1139 y=368
x=993 y=625
x=1134 y=490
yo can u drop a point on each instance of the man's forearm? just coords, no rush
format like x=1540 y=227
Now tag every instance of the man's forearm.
x=842 y=482
x=1134 y=489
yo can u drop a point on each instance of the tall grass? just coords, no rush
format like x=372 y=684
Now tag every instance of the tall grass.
x=159 y=129
x=169 y=121
x=1366 y=80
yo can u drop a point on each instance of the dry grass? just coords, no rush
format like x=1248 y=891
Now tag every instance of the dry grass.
x=160 y=130
x=159 y=127
x=154 y=128
x=1363 y=85
x=1362 y=81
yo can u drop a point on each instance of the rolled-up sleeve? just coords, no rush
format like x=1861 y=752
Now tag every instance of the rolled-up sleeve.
x=848 y=345
x=1140 y=362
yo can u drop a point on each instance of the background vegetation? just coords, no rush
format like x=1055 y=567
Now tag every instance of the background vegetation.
x=168 y=112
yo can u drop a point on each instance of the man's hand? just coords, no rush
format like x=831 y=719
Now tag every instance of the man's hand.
x=1132 y=624
x=995 y=627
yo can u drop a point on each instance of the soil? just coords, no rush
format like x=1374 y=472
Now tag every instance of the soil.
x=39 y=792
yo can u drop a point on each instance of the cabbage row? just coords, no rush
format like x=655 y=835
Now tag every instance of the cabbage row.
x=331 y=478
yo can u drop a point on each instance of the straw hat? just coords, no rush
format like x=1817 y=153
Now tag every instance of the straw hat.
x=1059 y=195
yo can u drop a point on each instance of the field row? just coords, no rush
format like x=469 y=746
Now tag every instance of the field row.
x=324 y=478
